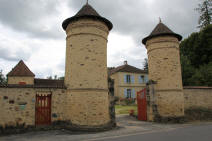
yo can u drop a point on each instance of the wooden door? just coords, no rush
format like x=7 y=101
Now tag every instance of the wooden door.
x=142 y=105
x=43 y=109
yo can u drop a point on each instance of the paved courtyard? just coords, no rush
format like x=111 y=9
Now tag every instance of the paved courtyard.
x=127 y=126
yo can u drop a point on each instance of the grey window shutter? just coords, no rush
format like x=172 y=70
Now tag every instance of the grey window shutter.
x=125 y=93
x=132 y=79
x=140 y=79
x=133 y=93
x=125 y=78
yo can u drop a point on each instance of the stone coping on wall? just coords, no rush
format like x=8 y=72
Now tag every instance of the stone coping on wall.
x=30 y=86
x=197 y=87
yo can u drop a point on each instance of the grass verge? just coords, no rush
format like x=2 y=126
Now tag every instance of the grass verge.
x=124 y=109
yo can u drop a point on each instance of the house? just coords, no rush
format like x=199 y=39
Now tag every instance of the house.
x=128 y=80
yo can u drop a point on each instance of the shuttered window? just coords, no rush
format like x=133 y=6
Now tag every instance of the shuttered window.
x=128 y=93
x=129 y=79
x=141 y=79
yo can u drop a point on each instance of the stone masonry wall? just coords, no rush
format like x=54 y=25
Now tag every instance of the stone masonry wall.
x=88 y=108
x=86 y=55
x=198 y=97
x=86 y=73
x=17 y=79
x=165 y=69
x=18 y=105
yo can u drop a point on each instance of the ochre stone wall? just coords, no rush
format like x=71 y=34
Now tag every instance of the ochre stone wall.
x=198 y=97
x=89 y=108
x=86 y=73
x=18 y=105
x=164 y=68
x=17 y=79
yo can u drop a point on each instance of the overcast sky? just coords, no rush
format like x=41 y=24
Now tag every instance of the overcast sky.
x=31 y=29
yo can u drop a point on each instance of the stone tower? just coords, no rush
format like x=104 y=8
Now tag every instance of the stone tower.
x=164 y=67
x=86 y=68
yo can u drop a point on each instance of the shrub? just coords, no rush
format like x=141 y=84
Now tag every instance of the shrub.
x=198 y=113
x=129 y=101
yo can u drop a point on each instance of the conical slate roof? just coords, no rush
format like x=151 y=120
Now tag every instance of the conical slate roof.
x=161 y=30
x=20 y=70
x=87 y=11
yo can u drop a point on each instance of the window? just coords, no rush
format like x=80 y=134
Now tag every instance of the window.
x=141 y=79
x=129 y=95
x=128 y=79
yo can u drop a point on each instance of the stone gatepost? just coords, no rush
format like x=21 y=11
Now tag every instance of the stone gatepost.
x=165 y=69
x=86 y=68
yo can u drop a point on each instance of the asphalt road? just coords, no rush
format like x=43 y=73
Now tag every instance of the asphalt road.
x=129 y=129
x=190 y=133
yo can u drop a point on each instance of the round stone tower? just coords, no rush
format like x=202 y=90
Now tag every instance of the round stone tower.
x=86 y=68
x=164 y=67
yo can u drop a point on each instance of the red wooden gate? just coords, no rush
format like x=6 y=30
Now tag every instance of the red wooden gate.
x=43 y=110
x=142 y=105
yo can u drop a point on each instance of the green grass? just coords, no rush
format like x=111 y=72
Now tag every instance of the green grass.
x=121 y=109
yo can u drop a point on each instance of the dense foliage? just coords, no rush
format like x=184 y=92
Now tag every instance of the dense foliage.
x=2 y=78
x=196 y=58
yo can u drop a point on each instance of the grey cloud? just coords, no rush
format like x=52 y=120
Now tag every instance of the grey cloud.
x=138 y=18
x=9 y=55
x=31 y=16
x=61 y=65
x=44 y=73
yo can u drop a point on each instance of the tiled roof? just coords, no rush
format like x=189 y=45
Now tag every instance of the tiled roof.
x=48 y=83
x=161 y=30
x=39 y=83
x=87 y=11
x=127 y=68
x=21 y=70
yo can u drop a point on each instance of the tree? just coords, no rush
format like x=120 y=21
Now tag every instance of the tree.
x=196 y=58
x=187 y=70
x=203 y=75
x=49 y=77
x=145 y=64
x=61 y=78
x=55 y=77
x=2 y=78
x=205 y=11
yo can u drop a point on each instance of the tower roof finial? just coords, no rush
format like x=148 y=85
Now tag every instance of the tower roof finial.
x=87 y=2
x=160 y=20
